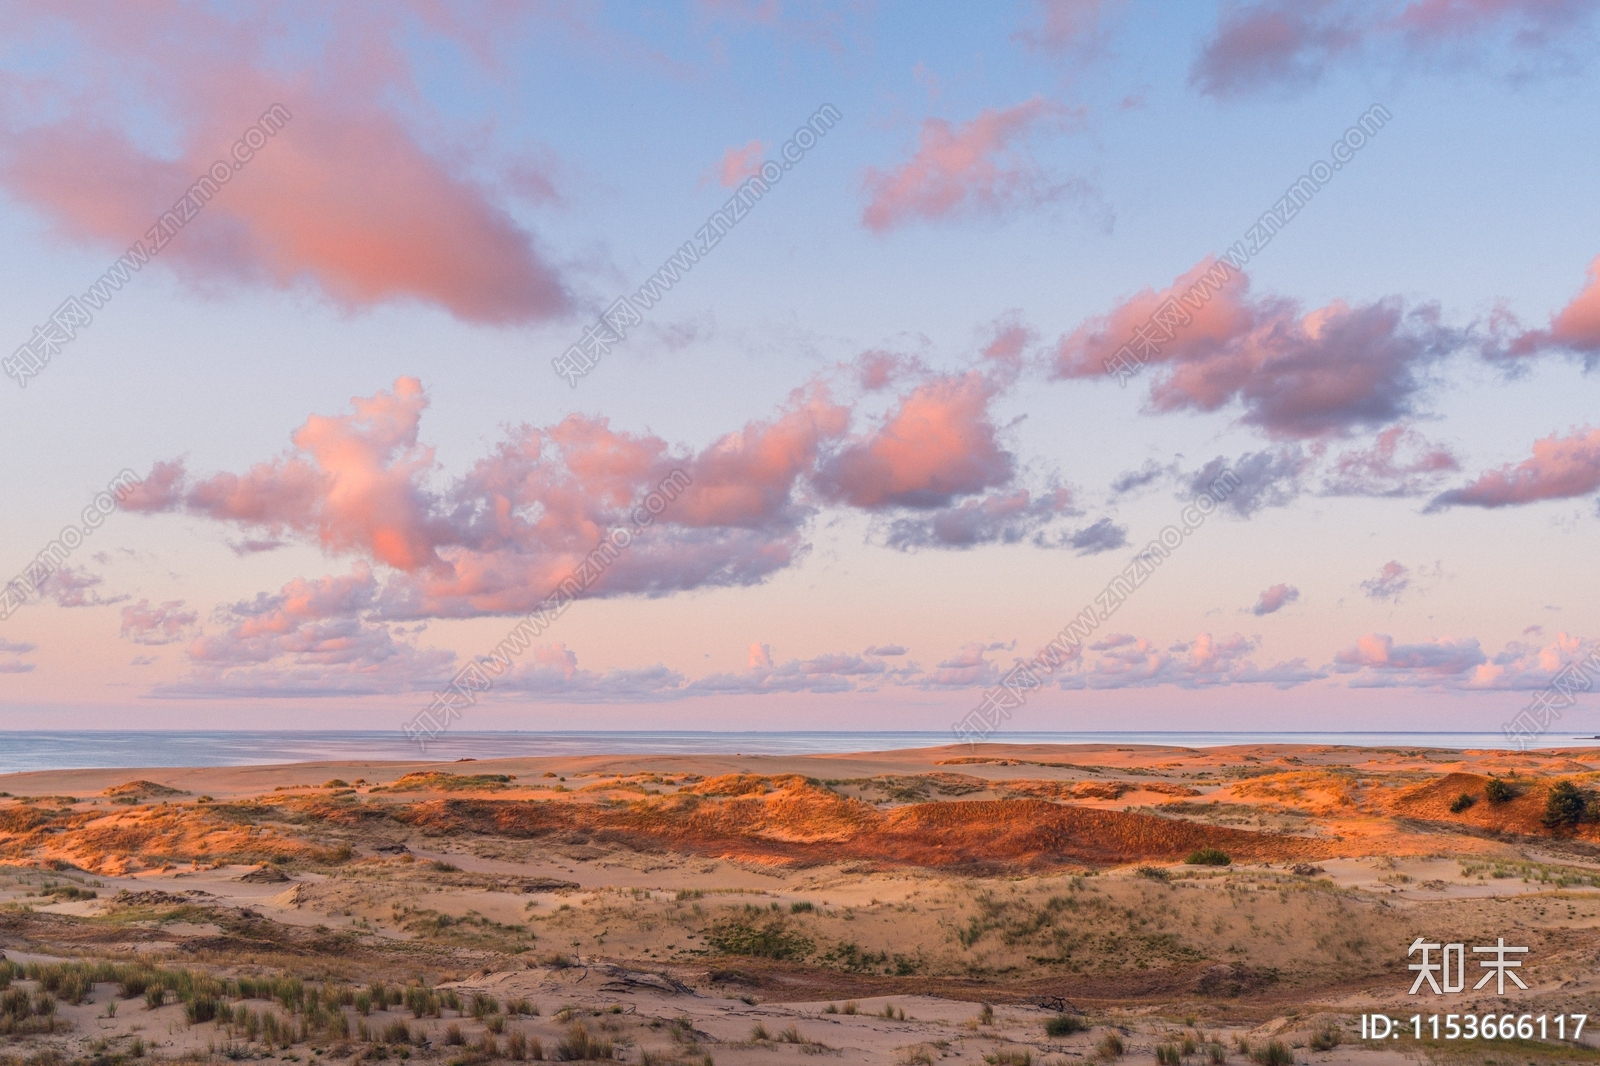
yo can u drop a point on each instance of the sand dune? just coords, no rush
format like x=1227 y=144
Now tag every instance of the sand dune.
x=704 y=897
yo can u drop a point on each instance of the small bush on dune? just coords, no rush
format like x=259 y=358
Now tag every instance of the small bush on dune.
x=770 y=938
x=134 y=984
x=1462 y=802
x=1497 y=791
x=1565 y=806
x=1326 y=1039
x=1110 y=1046
x=1209 y=857
x=1064 y=1025
x=200 y=1009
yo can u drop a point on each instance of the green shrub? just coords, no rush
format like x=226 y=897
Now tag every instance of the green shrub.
x=1209 y=857
x=1497 y=791
x=1064 y=1025
x=1462 y=802
x=200 y=1009
x=770 y=938
x=1564 y=806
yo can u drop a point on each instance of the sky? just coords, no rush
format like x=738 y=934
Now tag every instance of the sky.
x=755 y=364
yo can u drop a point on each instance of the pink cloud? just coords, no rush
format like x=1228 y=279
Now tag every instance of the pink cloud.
x=966 y=169
x=344 y=198
x=1391 y=582
x=830 y=673
x=738 y=164
x=1536 y=23
x=1400 y=462
x=1289 y=43
x=315 y=637
x=1009 y=338
x=352 y=483
x=552 y=673
x=1560 y=468
x=970 y=667
x=499 y=538
x=1575 y=327
x=1275 y=599
x=1126 y=661
x=939 y=443
x=1295 y=373
x=748 y=478
x=1068 y=26
x=167 y=623
x=1376 y=661
x=72 y=587
x=1439 y=659
x=877 y=369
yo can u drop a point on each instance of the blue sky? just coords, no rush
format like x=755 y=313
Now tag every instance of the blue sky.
x=596 y=134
